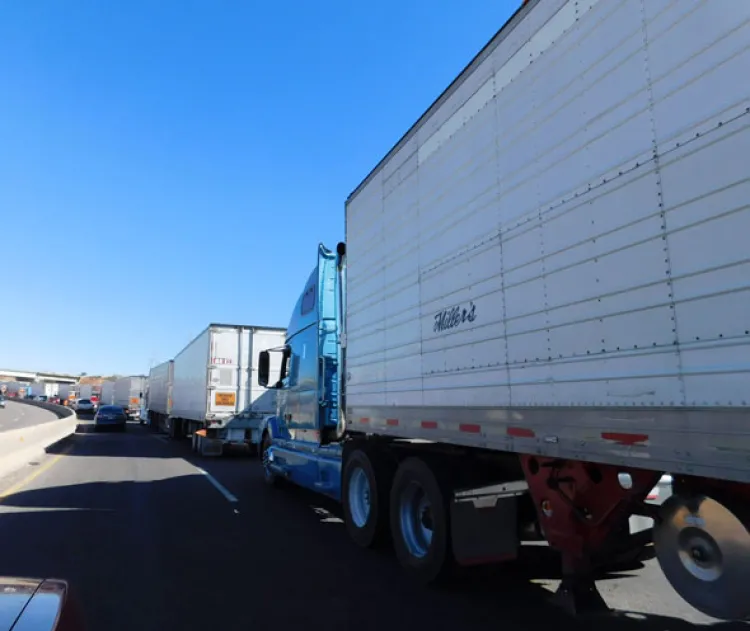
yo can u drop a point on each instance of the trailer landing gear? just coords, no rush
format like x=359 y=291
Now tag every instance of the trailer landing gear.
x=578 y=594
x=582 y=509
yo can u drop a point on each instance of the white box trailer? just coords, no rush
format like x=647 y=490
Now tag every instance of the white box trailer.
x=42 y=389
x=107 y=395
x=553 y=262
x=128 y=393
x=570 y=225
x=83 y=391
x=66 y=392
x=159 y=400
x=216 y=398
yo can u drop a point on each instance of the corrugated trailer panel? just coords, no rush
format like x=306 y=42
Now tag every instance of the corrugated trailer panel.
x=566 y=229
x=190 y=387
x=107 y=396
x=262 y=400
x=129 y=391
x=160 y=387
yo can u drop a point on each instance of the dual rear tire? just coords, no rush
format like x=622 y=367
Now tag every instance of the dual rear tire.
x=409 y=504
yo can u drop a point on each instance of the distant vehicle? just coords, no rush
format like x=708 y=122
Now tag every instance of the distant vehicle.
x=110 y=416
x=2 y=401
x=128 y=394
x=107 y=394
x=215 y=397
x=84 y=405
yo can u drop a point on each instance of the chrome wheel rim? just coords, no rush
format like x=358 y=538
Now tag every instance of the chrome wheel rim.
x=416 y=519
x=359 y=497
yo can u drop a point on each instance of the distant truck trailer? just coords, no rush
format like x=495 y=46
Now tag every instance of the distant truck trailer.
x=159 y=394
x=107 y=395
x=83 y=391
x=216 y=399
x=128 y=394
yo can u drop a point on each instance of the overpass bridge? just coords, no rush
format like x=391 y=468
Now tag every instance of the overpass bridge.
x=39 y=376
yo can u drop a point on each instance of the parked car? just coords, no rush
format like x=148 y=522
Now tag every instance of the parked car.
x=110 y=416
x=84 y=405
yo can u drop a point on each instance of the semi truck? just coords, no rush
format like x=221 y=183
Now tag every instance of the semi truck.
x=128 y=394
x=159 y=399
x=66 y=392
x=107 y=393
x=83 y=391
x=542 y=307
x=216 y=399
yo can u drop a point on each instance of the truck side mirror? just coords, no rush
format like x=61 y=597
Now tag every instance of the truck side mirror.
x=264 y=368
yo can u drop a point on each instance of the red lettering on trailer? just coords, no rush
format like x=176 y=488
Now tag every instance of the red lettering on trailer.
x=364 y=420
x=470 y=428
x=429 y=424
x=625 y=439
x=520 y=432
x=393 y=422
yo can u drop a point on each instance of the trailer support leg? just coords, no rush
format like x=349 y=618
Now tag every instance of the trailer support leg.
x=583 y=510
x=578 y=594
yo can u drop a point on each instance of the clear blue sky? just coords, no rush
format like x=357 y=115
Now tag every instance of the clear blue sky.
x=164 y=164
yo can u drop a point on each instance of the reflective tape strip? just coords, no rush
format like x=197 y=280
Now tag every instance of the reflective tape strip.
x=470 y=428
x=625 y=439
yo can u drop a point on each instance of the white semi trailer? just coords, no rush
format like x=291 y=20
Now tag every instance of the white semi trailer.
x=128 y=394
x=216 y=399
x=159 y=398
x=542 y=306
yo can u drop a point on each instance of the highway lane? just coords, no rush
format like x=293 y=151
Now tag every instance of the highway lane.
x=153 y=538
x=19 y=415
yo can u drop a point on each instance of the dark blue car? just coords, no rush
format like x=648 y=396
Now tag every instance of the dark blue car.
x=110 y=417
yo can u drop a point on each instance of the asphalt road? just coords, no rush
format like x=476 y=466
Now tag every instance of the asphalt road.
x=19 y=415
x=151 y=542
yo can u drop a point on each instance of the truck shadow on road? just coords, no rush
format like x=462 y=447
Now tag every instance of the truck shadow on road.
x=175 y=554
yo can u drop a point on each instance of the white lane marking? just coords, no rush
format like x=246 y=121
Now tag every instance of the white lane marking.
x=219 y=486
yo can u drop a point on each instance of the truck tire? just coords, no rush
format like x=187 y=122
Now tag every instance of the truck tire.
x=365 y=499
x=270 y=478
x=420 y=524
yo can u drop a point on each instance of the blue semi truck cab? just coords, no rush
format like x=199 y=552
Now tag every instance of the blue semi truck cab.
x=302 y=441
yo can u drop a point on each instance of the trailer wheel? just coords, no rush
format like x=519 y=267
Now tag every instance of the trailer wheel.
x=365 y=502
x=420 y=522
x=703 y=545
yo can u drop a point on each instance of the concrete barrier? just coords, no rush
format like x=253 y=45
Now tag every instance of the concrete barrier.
x=60 y=410
x=20 y=446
